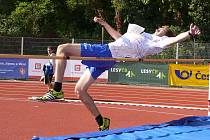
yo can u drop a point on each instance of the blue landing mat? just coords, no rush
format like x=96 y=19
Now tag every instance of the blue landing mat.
x=188 y=128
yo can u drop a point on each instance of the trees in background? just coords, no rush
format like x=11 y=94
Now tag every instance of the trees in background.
x=73 y=18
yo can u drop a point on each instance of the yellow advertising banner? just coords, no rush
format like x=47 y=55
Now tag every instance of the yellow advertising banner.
x=188 y=75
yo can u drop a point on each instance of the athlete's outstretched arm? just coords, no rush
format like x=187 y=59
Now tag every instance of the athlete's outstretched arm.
x=113 y=33
x=194 y=30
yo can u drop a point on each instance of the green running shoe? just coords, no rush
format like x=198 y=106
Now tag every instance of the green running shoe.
x=52 y=95
x=105 y=125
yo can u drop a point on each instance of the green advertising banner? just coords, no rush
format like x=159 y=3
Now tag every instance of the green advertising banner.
x=139 y=73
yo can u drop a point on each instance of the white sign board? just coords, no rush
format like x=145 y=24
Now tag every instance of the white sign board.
x=74 y=68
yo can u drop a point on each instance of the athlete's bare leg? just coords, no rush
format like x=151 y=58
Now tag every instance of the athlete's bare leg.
x=64 y=50
x=85 y=81
x=81 y=90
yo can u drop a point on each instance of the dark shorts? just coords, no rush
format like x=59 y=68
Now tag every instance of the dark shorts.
x=48 y=79
x=96 y=50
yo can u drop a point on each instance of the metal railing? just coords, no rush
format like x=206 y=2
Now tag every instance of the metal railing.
x=38 y=46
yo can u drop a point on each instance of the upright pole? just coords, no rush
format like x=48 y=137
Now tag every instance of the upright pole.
x=177 y=51
x=194 y=56
x=22 y=41
x=72 y=40
x=102 y=35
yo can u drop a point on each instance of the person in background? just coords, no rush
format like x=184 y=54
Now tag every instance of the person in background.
x=48 y=69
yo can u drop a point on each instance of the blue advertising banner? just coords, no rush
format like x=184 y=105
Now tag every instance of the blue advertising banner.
x=13 y=68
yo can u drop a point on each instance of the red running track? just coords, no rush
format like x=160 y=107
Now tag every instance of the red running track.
x=126 y=106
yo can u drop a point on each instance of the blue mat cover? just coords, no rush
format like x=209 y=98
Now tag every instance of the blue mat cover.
x=188 y=128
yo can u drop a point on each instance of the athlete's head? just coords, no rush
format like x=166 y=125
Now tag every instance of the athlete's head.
x=164 y=31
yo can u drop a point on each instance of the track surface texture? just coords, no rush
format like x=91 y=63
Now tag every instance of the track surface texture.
x=126 y=105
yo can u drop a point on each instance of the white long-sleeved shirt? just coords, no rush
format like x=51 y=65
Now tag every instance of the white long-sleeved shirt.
x=137 y=45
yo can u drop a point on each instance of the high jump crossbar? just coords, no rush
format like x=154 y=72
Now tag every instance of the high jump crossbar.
x=102 y=58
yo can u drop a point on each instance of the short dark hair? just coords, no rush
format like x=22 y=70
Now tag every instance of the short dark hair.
x=52 y=48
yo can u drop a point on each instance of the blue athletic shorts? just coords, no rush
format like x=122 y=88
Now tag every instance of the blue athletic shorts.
x=96 y=50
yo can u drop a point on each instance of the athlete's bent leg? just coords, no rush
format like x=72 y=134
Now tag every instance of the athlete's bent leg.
x=81 y=89
x=64 y=50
